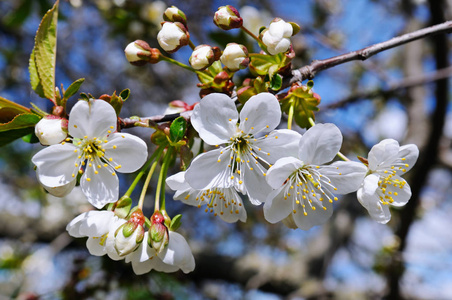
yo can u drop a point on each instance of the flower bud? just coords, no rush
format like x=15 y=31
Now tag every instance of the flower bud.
x=178 y=106
x=227 y=17
x=174 y=14
x=158 y=233
x=235 y=57
x=277 y=36
x=51 y=130
x=203 y=56
x=173 y=36
x=139 y=53
x=130 y=234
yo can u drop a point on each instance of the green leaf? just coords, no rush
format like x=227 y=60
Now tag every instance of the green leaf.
x=42 y=59
x=73 y=88
x=20 y=121
x=30 y=138
x=125 y=94
x=9 y=110
x=9 y=136
x=177 y=129
x=175 y=222
x=159 y=138
x=276 y=82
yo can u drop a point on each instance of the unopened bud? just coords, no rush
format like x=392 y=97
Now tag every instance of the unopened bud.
x=174 y=14
x=227 y=17
x=51 y=130
x=203 y=56
x=139 y=53
x=235 y=57
x=173 y=36
x=277 y=36
x=158 y=233
x=130 y=234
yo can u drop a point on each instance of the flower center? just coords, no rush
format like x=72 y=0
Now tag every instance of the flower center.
x=386 y=188
x=307 y=188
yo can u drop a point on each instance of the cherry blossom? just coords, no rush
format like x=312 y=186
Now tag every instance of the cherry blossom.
x=304 y=187
x=383 y=185
x=246 y=150
x=95 y=150
x=277 y=36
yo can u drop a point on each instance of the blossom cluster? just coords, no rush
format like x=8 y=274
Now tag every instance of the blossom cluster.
x=294 y=176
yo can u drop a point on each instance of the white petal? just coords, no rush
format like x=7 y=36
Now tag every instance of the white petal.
x=215 y=118
x=279 y=143
x=101 y=188
x=260 y=113
x=56 y=164
x=127 y=151
x=276 y=207
x=313 y=218
x=59 y=191
x=73 y=228
x=410 y=153
x=320 y=144
x=345 y=176
x=92 y=119
x=371 y=202
x=206 y=171
x=383 y=154
x=281 y=170
x=400 y=195
x=177 y=182
x=230 y=206
x=178 y=253
x=95 y=246
x=256 y=185
x=96 y=223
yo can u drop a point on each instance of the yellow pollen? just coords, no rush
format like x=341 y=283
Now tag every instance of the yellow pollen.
x=246 y=119
x=114 y=174
x=265 y=174
x=230 y=120
x=219 y=160
x=252 y=128
x=335 y=198
x=96 y=172
x=266 y=126
x=313 y=208
x=294 y=211
x=305 y=213
x=110 y=159
x=75 y=126
x=276 y=137
x=105 y=165
x=403 y=158
x=232 y=177
x=324 y=208
x=112 y=127
x=240 y=182
x=73 y=175
x=109 y=131
x=88 y=179
x=114 y=147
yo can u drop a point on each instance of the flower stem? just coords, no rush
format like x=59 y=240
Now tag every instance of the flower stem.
x=157 y=153
x=311 y=121
x=290 y=117
x=160 y=191
x=146 y=184
x=177 y=63
x=258 y=40
x=192 y=46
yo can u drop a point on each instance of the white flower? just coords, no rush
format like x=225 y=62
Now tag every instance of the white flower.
x=51 y=130
x=235 y=57
x=383 y=184
x=172 y=36
x=304 y=187
x=223 y=202
x=202 y=57
x=95 y=148
x=177 y=255
x=99 y=227
x=277 y=36
x=247 y=153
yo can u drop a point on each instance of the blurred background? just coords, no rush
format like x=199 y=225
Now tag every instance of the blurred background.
x=403 y=93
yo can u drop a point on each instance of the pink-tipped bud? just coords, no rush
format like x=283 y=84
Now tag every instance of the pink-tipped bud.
x=51 y=130
x=203 y=56
x=174 y=14
x=235 y=57
x=227 y=17
x=130 y=234
x=173 y=36
x=139 y=53
x=158 y=233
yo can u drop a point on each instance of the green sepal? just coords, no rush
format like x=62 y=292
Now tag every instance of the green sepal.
x=295 y=28
x=276 y=82
x=129 y=228
x=124 y=94
x=159 y=138
x=177 y=129
x=30 y=138
x=122 y=207
x=261 y=64
x=73 y=88
x=86 y=97
x=43 y=55
x=175 y=222
x=305 y=103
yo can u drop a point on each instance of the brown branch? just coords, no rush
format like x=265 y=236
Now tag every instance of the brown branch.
x=309 y=71
x=402 y=84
